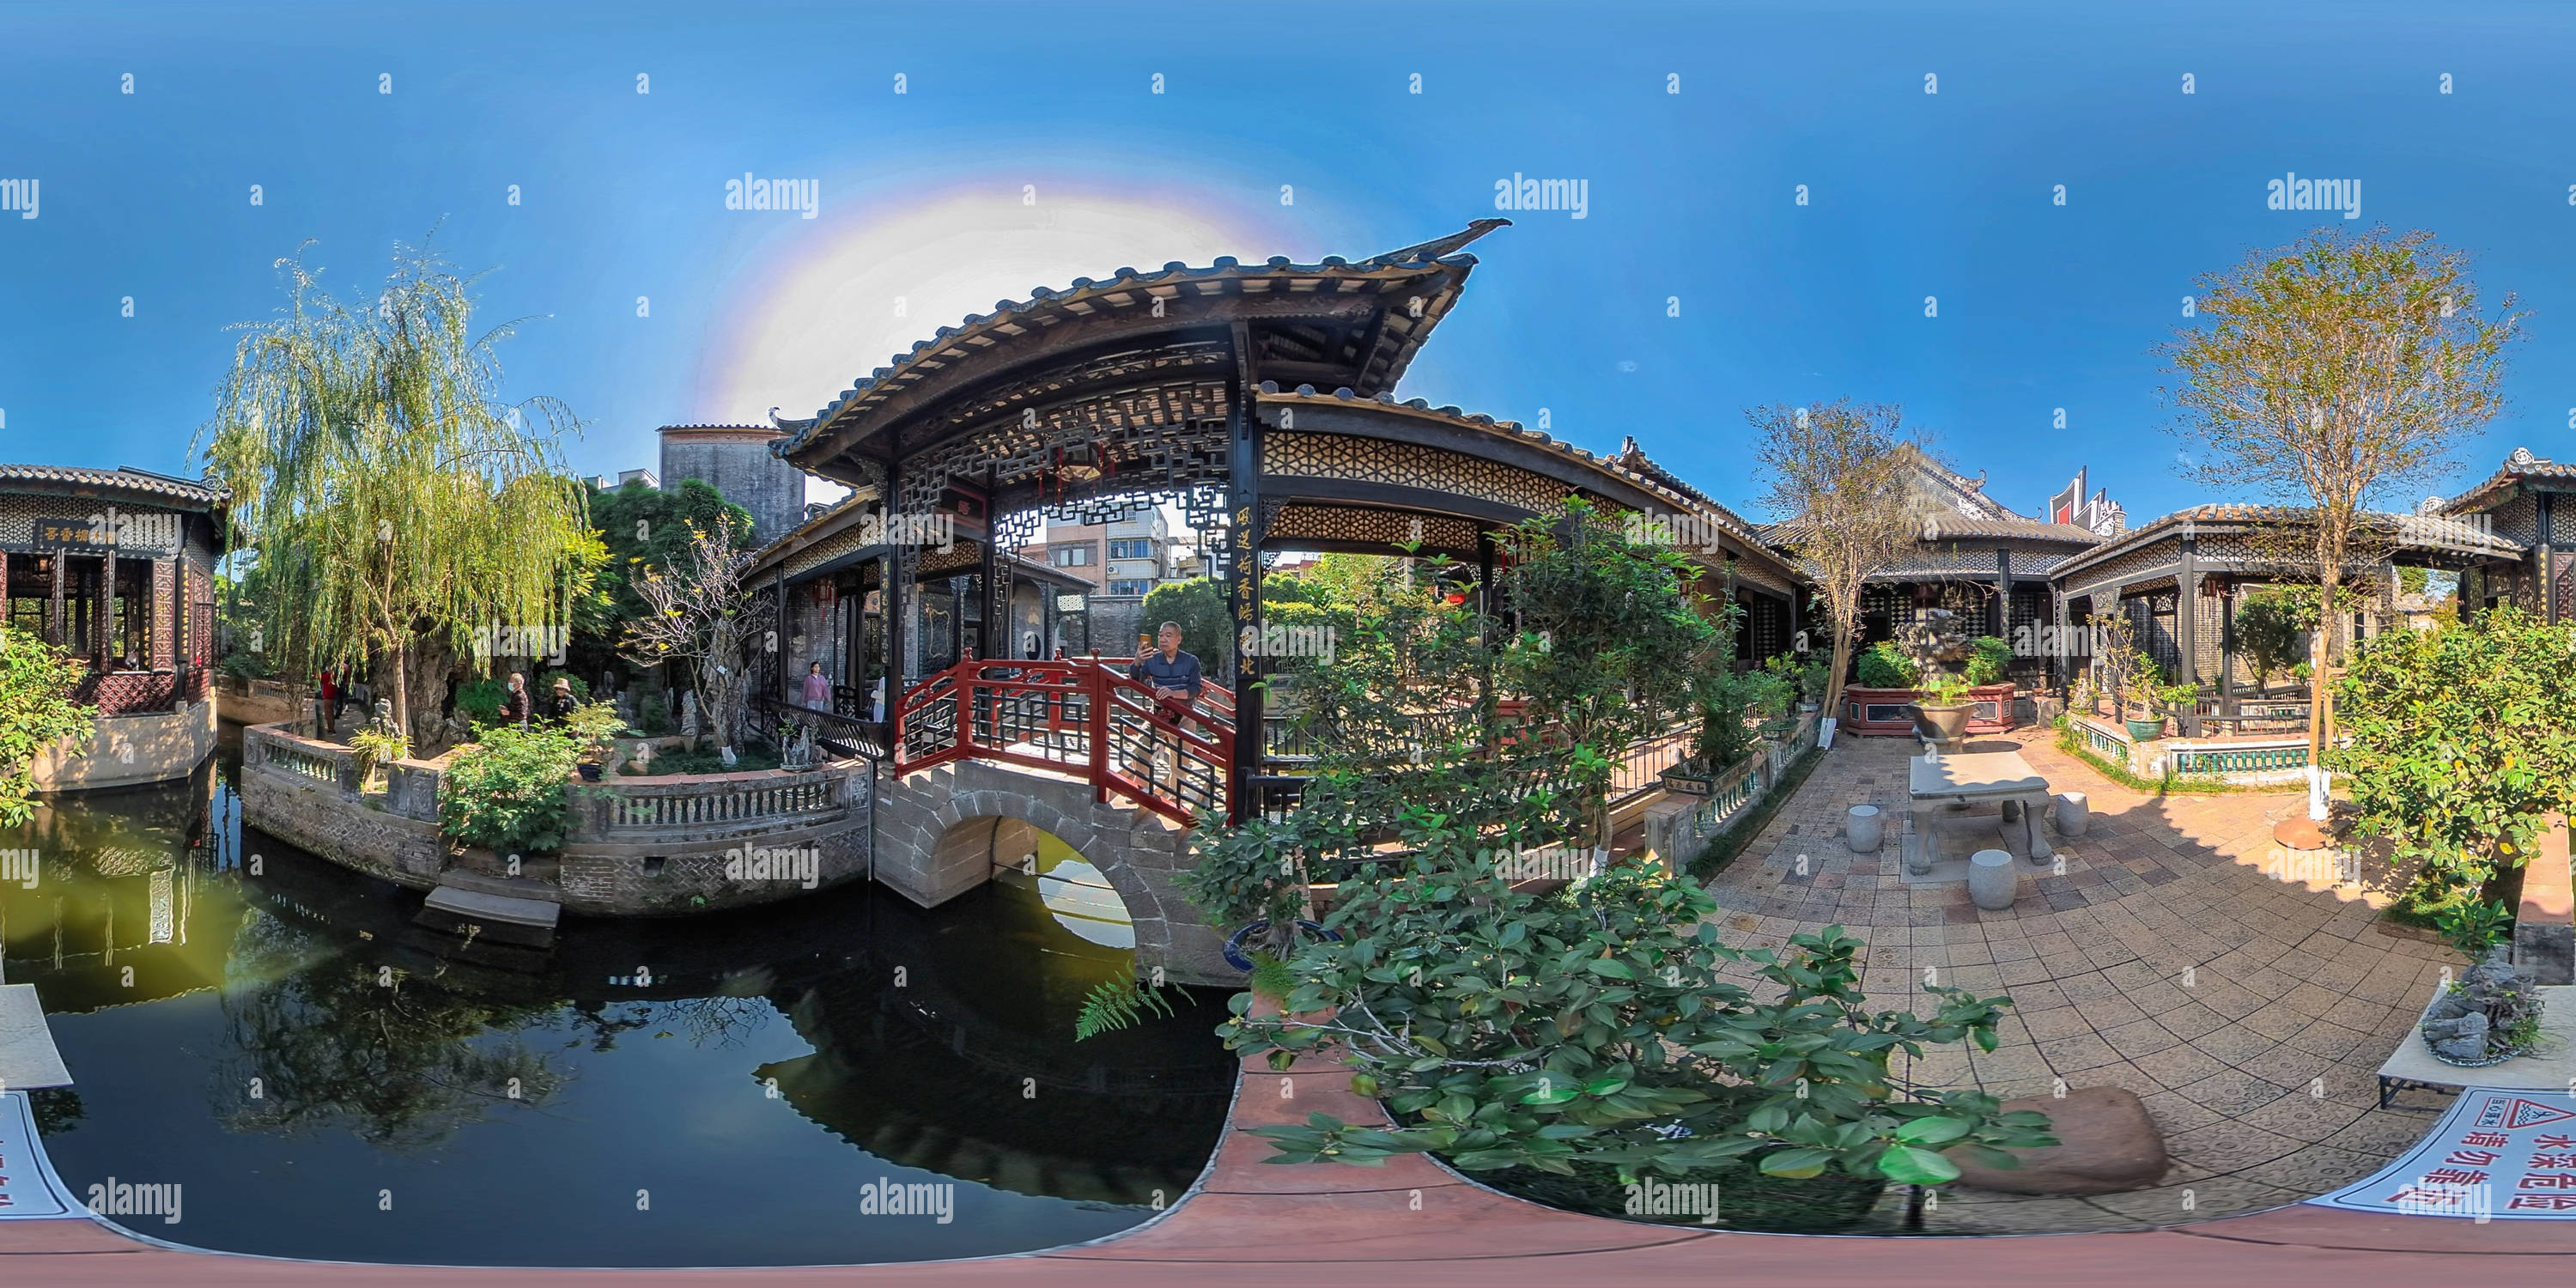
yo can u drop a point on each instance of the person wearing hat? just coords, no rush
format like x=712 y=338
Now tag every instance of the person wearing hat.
x=560 y=703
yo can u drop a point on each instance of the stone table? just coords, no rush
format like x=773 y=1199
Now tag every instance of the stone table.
x=2001 y=776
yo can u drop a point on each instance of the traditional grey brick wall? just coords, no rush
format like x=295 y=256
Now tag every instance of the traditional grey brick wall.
x=735 y=460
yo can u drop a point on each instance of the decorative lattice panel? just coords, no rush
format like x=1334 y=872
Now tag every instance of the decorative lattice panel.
x=1293 y=523
x=1371 y=460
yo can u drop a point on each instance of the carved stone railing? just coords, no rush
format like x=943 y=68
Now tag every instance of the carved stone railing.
x=676 y=806
x=701 y=803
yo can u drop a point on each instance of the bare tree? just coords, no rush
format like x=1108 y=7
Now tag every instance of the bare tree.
x=698 y=612
x=2326 y=374
x=1841 y=475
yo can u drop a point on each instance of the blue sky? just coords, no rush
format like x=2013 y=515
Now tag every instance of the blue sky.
x=925 y=196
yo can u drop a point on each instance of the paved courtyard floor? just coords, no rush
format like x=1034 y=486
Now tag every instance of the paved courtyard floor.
x=2246 y=993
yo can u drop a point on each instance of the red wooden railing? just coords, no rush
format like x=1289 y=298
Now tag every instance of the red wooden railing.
x=1080 y=716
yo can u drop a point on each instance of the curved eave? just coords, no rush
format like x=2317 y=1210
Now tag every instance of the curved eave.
x=1376 y=294
x=2434 y=535
x=1345 y=411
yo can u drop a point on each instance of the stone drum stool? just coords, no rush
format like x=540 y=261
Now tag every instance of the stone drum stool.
x=1863 y=828
x=2072 y=814
x=1992 y=882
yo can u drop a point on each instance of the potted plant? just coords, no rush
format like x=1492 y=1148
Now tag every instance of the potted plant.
x=375 y=747
x=593 y=727
x=2180 y=700
x=2142 y=687
x=1723 y=699
x=1943 y=709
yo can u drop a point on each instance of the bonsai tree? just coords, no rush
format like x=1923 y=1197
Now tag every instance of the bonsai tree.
x=2272 y=626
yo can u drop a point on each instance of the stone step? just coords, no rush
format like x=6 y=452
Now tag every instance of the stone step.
x=535 y=889
x=491 y=916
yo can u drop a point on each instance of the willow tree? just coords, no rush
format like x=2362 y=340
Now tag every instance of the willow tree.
x=1841 y=476
x=2330 y=373
x=398 y=505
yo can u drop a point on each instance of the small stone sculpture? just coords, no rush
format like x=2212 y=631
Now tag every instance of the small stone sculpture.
x=689 y=714
x=2473 y=1021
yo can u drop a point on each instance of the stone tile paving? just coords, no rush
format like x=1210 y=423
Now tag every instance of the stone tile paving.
x=2170 y=957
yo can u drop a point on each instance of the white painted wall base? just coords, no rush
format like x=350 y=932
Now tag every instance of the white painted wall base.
x=129 y=750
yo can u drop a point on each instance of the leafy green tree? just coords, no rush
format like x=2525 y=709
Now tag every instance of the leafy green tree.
x=645 y=531
x=395 y=504
x=2272 y=626
x=1610 y=642
x=2458 y=745
x=37 y=712
x=2328 y=373
x=1206 y=632
x=1841 y=478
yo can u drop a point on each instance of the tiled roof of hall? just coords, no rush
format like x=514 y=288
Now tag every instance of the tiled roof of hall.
x=1958 y=527
x=1128 y=287
x=2498 y=486
x=66 y=479
x=2412 y=530
x=1655 y=481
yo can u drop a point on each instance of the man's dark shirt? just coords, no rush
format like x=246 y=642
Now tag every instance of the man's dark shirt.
x=1181 y=672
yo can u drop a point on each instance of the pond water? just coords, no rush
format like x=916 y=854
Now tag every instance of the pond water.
x=324 y=1080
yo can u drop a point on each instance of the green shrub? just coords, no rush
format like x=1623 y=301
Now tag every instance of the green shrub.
x=1885 y=666
x=480 y=701
x=510 y=791
x=2458 y=746
x=1992 y=661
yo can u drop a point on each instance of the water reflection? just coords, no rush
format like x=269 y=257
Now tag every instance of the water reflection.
x=330 y=1081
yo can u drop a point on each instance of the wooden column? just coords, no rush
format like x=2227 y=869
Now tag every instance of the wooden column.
x=1243 y=580
x=102 y=612
x=2227 y=649
x=2003 y=594
x=897 y=588
x=57 y=623
x=2187 y=625
x=2544 y=555
x=2061 y=659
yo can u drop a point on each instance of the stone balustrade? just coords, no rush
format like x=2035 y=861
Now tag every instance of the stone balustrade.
x=634 y=846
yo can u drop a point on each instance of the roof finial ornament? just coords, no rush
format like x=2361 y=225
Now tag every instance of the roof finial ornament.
x=2521 y=458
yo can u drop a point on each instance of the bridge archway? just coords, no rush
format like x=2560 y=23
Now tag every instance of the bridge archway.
x=939 y=832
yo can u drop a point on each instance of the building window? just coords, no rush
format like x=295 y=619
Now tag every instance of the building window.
x=1138 y=588
x=1072 y=556
x=1139 y=548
